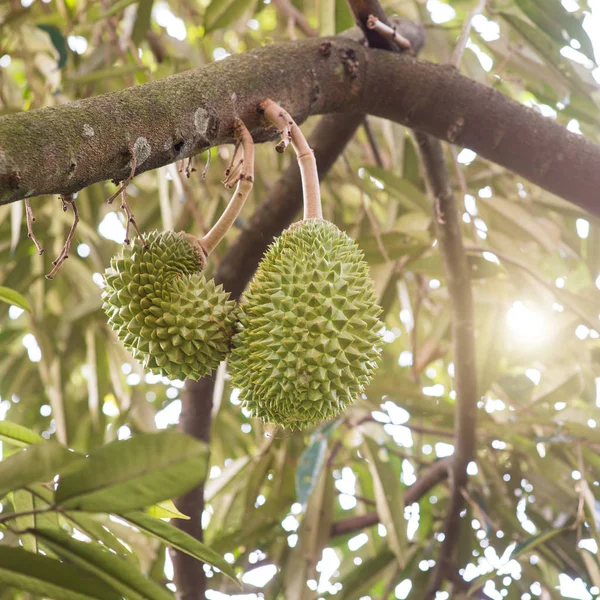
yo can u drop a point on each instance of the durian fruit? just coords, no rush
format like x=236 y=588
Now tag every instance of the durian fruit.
x=308 y=337
x=173 y=319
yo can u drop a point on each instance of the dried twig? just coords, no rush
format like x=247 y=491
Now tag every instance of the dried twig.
x=243 y=175
x=189 y=168
x=389 y=33
x=207 y=165
x=126 y=181
x=122 y=191
x=30 y=221
x=306 y=157
x=67 y=200
x=130 y=220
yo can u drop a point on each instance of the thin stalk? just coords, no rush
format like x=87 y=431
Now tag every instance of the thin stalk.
x=306 y=157
x=244 y=181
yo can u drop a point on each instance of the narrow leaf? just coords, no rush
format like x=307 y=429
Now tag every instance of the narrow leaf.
x=180 y=540
x=16 y=218
x=117 y=573
x=17 y=435
x=37 y=463
x=134 y=473
x=166 y=510
x=388 y=499
x=309 y=468
x=50 y=578
x=24 y=503
x=11 y=297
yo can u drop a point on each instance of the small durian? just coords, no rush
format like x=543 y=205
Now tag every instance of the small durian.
x=308 y=336
x=173 y=319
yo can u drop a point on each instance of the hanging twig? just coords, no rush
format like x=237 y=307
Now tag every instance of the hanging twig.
x=306 y=157
x=207 y=165
x=30 y=221
x=67 y=200
x=122 y=191
x=130 y=220
x=126 y=181
x=189 y=168
x=244 y=181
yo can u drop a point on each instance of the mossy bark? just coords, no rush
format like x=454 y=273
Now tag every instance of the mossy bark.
x=64 y=149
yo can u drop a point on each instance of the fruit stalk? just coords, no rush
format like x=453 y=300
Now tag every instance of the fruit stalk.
x=290 y=132
x=245 y=181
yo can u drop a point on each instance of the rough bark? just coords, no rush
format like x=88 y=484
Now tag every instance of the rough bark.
x=197 y=401
x=456 y=268
x=64 y=149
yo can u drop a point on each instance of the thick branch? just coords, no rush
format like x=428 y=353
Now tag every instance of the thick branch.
x=362 y=10
x=64 y=149
x=456 y=268
x=197 y=402
x=435 y=474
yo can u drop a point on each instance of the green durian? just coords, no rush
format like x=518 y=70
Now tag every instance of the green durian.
x=308 y=338
x=173 y=319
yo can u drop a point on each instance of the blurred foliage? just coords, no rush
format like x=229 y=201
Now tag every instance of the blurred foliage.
x=531 y=523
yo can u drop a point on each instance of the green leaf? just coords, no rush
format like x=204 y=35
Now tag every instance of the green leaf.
x=166 y=510
x=24 y=503
x=309 y=468
x=11 y=297
x=142 y=21
x=223 y=13
x=179 y=540
x=361 y=579
x=44 y=576
x=37 y=463
x=536 y=540
x=396 y=244
x=58 y=41
x=410 y=196
x=17 y=435
x=389 y=499
x=344 y=19
x=16 y=218
x=117 y=573
x=134 y=473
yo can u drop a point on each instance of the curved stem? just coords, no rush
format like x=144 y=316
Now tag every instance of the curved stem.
x=306 y=157
x=245 y=181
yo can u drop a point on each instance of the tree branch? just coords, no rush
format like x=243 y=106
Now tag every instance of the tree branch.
x=456 y=268
x=197 y=402
x=66 y=148
x=288 y=10
x=435 y=474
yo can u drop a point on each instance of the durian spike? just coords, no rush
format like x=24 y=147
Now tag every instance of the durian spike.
x=306 y=157
x=245 y=181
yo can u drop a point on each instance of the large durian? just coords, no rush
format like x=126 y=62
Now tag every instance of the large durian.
x=308 y=337
x=173 y=319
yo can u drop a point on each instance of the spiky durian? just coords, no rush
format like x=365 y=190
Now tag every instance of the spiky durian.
x=308 y=340
x=174 y=320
